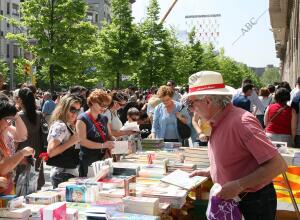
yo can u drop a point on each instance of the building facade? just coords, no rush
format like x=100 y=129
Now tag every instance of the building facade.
x=284 y=16
x=9 y=50
x=99 y=11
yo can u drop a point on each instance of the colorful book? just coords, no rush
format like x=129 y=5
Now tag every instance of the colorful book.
x=56 y=211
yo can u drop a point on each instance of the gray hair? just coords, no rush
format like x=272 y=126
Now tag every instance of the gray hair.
x=220 y=100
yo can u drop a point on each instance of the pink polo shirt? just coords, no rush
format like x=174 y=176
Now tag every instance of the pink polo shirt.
x=237 y=146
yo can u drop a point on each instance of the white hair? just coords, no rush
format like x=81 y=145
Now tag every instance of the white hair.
x=220 y=100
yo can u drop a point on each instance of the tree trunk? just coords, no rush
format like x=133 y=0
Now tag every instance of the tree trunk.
x=51 y=74
x=118 y=80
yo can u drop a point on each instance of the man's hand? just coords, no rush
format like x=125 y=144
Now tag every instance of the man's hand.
x=205 y=172
x=230 y=190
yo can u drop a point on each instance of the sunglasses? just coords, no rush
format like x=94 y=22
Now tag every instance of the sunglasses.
x=74 y=110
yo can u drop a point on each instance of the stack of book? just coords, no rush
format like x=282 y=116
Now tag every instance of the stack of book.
x=21 y=213
x=54 y=211
x=175 y=156
x=152 y=171
x=198 y=156
x=153 y=143
x=125 y=169
x=141 y=205
x=43 y=198
x=82 y=193
x=123 y=215
x=188 y=167
x=166 y=193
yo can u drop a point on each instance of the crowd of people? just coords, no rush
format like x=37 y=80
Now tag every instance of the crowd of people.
x=83 y=125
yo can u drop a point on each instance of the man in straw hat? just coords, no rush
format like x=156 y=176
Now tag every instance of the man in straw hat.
x=242 y=160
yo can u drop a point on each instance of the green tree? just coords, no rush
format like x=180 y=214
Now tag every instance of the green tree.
x=58 y=35
x=156 y=65
x=4 y=70
x=270 y=76
x=194 y=57
x=119 y=44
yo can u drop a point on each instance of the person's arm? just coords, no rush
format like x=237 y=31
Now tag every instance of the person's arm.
x=294 y=124
x=266 y=117
x=265 y=173
x=155 y=124
x=19 y=131
x=55 y=146
x=256 y=101
x=10 y=163
x=81 y=129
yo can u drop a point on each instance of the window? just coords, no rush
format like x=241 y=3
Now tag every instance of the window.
x=15 y=51
x=96 y=18
x=8 y=8
x=15 y=9
x=7 y=50
x=89 y=17
x=7 y=25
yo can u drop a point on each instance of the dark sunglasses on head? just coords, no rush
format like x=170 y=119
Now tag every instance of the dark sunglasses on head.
x=74 y=110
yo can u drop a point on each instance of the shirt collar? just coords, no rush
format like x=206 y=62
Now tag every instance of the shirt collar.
x=215 y=121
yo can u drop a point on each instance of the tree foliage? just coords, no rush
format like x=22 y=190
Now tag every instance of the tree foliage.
x=156 y=65
x=270 y=76
x=59 y=36
x=119 y=44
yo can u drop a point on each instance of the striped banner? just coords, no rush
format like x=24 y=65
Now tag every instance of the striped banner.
x=293 y=175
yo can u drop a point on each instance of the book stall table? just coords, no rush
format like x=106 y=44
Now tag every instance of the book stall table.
x=146 y=185
x=286 y=184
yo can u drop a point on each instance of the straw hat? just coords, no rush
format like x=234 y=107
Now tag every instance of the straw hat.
x=208 y=83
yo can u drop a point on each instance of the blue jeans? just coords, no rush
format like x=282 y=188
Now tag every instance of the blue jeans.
x=259 y=205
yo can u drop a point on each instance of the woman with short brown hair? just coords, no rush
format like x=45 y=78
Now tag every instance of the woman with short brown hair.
x=93 y=132
x=165 y=116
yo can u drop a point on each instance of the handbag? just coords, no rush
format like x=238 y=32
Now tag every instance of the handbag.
x=68 y=159
x=27 y=182
x=184 y=130
x=44 y=130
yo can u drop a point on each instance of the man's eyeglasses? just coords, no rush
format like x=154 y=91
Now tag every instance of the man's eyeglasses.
x=190 y=104
x=135 y=118
x=74 y=110
x=10 y=120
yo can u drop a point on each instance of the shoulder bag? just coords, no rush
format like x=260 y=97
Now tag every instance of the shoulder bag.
x=184 y=130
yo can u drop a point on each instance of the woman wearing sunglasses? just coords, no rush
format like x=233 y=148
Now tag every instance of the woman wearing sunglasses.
x=8 y=135
x=62 y=140
x=114 y=122
x=93 y=132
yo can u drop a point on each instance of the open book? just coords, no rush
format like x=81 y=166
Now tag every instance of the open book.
x=181 y=179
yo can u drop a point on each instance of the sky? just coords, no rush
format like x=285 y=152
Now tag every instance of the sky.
x=255 y=47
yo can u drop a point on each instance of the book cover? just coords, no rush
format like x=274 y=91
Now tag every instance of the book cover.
x=181 y=178
x=55 y=211
x=76 y=193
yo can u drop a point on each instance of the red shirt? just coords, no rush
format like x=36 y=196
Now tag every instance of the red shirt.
x=282 y=123
x=237 y=146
